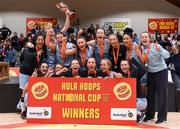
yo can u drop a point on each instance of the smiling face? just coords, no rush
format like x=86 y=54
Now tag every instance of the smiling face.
x=75 y=66
x=44 y=68
x=39 y=42
x=113 y=40
x=175 y=49
x=105 y=65
x=64 y=39
x=59 y=37
x=127 y=40
x=100 y=35
x=58 y=67
x=81 y=43
x=145 y=39
x=52 y=33
x=91 y=64
x=125 y=66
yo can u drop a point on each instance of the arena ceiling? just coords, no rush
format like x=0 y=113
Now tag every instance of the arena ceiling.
x=175 y=2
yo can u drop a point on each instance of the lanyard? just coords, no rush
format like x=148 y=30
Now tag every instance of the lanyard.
x=62 y=51
x=101 y=50
x=83 y=56
x=115 y=55
x=38 y=56
x=146 y=55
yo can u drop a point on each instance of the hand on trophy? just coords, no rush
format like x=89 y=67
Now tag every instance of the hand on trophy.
x=64 y=8
x=49 y=30
x=49 y=26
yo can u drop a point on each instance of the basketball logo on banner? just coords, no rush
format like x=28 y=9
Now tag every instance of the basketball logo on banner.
x=153 y=25
x=122 y=91
x=40 y=90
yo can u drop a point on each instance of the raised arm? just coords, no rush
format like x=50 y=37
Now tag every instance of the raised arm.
x=64 y=8
x=71 y=52
x=66 y=24
x=163 y=52
x=139 y=53
x=91 y=43
x=48 y=41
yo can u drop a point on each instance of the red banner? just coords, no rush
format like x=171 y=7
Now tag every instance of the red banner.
x=31 y=22
x=82 y=101
x=163 y=25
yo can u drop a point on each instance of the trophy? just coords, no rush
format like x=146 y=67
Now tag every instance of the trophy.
x=64 y=8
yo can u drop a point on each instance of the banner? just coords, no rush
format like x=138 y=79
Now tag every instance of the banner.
x=118 y=24
x=30 y=22
x=82 y=101
x=163 y=25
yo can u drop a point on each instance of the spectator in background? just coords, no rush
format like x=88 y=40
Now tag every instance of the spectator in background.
x=56 y=28
x=176 y=39
x=166 y=44
x=135 y=38
x=29 y=37
x=109 y=31
x=15 y=42
x=72 y=38
x=70 y=31
x=97 y=26
x=76 y=28
x=10 y=56
x=92 y=31
x=5 y=32
x=120 y=37
x=174 y=64
x=2 y=52
x=36 y=29
x=158 y=38
x=21 y=41
x=83 y=33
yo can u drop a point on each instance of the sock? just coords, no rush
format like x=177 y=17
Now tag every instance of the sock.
x=22 y=99
x=23 y=107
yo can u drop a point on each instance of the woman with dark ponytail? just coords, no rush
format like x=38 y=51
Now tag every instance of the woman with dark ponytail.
x=133 y=49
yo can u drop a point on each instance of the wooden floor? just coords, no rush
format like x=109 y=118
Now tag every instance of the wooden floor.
x=13 y=118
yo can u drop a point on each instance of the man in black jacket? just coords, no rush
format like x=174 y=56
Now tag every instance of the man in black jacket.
x=5 y=32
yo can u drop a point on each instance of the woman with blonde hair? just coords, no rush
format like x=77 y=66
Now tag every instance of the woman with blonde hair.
x=105 y=70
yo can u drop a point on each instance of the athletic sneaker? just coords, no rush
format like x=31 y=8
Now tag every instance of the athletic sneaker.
x=23 y=115
x=146 y=119
x=141 y=118
x=159 y=121
x=18 y=110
